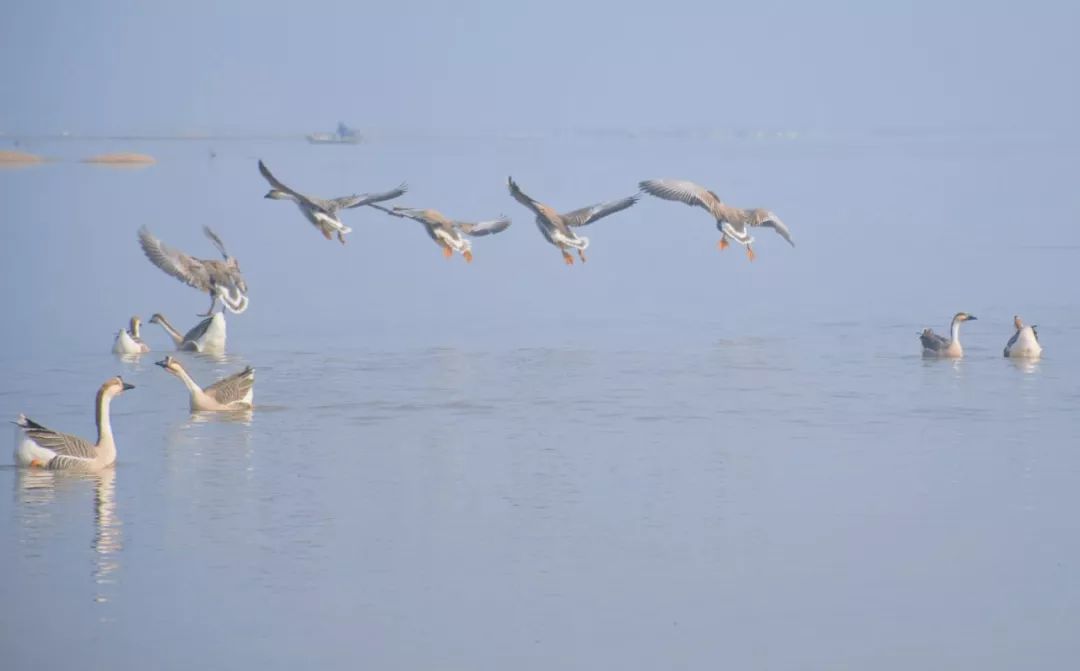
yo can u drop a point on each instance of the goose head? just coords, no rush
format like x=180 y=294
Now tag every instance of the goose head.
x=114 y=386
x=274 y=194
x=1017 y=322
x=964 y=317
x=170 y=364
x=134 y=329
x=157 y=318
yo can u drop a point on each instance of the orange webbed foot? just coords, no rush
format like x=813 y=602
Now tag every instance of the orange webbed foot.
x=750 y=253
x=447 y=252
x=37 y=463
x=468 y=256
x=567 y=259
x=723 y=244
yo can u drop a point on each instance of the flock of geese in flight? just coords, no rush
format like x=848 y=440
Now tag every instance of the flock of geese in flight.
x=221 y=279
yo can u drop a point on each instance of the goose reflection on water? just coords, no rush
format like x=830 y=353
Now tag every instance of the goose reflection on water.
x=37 y=493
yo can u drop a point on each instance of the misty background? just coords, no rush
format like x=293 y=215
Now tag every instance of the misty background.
x=668 y=457
x=432 y=67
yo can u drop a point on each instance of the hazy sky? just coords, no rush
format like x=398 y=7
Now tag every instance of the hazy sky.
x=124 y=66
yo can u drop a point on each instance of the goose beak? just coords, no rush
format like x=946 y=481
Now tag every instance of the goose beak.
x=972 y=318
x=163 y=363
x=128 y=386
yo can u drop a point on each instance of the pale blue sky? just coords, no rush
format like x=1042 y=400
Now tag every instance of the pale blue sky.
x=124 y=66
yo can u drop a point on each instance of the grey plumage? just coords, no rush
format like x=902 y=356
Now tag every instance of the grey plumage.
x=932 y=341
x=65 y=445
x=731 y=221
x=221 y=279
x=556 y=227
x=232 y=388
x=323 y=213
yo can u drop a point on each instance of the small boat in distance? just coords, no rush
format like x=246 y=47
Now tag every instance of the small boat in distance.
x=343 y=135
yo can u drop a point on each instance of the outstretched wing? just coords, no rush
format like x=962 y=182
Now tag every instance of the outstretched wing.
x=359 y=200
x=683 y=192
x=543 y=212
x=767 y=219
x=232 y=388
x=64 y=444
x=216 y=240
x=276 y=183
x=187 y=269
x=588 y=215
x=479 y=228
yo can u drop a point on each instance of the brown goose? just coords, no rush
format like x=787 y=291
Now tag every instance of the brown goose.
x=556 y=228
x=40 y=447
x=234 y=392
x=447 y=233
x=731 y=221
x=221 y=279
x=935 y=345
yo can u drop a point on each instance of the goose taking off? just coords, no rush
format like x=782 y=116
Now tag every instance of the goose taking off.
x=447 y=233
x=1025 y=342
x=731 y=221
x=935 y=345
x=39 y=447
x=323 y=214
x=556 y=228
x=221 y=279
x=206 y=336
x=234 y=392
x=128 y=341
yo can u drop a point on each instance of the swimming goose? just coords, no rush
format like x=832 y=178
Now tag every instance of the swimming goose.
x=44 y=448
x=234 y=392
x=731 y=221
x=940 y=346
x=221 y=279
x=1025 y=342
x=128 y=341
x=556 y=227
x=206 y=336
x=323 y=214
x=447 y=233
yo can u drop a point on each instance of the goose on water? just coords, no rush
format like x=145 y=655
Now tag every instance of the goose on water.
x=207 y=336
x=935 y=345
x=234 y=392
x=39 y=447
x=129 y=341
x=1024 y=344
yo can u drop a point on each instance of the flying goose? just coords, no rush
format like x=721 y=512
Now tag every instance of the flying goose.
x=556 y=228
x=447 y=233
x=1025 y=342
x=221 y=279
x=234 y=392
x=39 y=447
x=323 y=214
x=128 y=340
x=206 y=336
x=935 y=345
x=731 y=221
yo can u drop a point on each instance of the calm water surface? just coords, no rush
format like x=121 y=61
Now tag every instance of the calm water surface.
x=665 y=458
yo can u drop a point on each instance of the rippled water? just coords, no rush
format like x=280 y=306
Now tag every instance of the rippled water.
x=667 y=458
